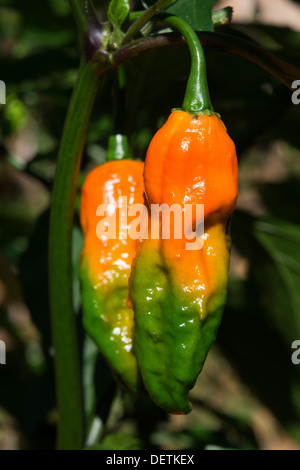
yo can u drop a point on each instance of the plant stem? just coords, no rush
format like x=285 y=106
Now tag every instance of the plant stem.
x=87 y=24
x=66 y=354
x=280 y=69
x=119 y=98
x=219 y=17
x=118 y=148
x=68 y=382
x=224 y=16
x=143 y=19
x=118 y=145
x=197 y=98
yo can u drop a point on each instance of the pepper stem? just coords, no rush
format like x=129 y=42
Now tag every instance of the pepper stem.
x=118 y=146
x=197 y=99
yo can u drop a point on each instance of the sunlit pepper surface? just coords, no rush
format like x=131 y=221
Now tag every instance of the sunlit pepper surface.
x=178 y=295
x=106 y=263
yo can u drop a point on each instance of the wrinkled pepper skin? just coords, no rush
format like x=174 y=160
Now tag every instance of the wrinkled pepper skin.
x=105 y=267
x=189 y=160
x=192 y=161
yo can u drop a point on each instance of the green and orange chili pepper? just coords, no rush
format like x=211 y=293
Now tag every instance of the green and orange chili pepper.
x=106 y=260
x=178 y=295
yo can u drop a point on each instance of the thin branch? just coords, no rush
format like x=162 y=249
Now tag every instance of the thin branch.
x=144 y=18
x=87 y=26
x=282 y=70
x=221 y=17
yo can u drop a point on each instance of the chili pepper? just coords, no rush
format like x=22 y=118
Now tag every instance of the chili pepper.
x=178 y=295
x=178 y=301
x=192 y=161
x=106 y=262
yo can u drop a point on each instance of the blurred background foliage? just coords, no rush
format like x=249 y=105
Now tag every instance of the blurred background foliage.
x=248 y=395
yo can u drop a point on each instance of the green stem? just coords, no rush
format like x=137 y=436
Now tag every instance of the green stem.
x=224 y=16
x=119 y=95
x=118 y=146
x=219 y=17
x=278 y=68
x=66 y=358
x=197 y=98
x=143 y=19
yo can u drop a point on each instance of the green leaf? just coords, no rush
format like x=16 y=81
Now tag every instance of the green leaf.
x=117 y=12
x=261 y=319
x=197 y=13
x=273 y=249
x=281 y=241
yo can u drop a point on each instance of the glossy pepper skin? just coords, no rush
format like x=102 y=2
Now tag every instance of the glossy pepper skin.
x=189 y=161
x=106 y=264
x=192 y=161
